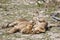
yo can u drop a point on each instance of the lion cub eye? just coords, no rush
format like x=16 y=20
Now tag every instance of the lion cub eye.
x=40 y=21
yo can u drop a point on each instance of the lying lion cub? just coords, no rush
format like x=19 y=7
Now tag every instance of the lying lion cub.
x=23 y=25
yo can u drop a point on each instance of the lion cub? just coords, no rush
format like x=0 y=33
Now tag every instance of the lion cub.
x=40 y=26
x=23 y=25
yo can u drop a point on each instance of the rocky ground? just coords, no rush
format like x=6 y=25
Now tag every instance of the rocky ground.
x=13 y=9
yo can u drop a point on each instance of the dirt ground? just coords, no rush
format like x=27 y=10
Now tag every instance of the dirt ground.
x=13 y=9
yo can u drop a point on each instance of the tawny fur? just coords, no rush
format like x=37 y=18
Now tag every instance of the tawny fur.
x=24 y=26
x=40 y=26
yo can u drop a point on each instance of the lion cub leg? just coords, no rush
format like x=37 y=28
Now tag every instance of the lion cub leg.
x=14 y=29
x=39 y=30
x=27 y=29
x=42 y=29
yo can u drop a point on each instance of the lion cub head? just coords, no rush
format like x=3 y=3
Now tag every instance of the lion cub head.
x=40 y=26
